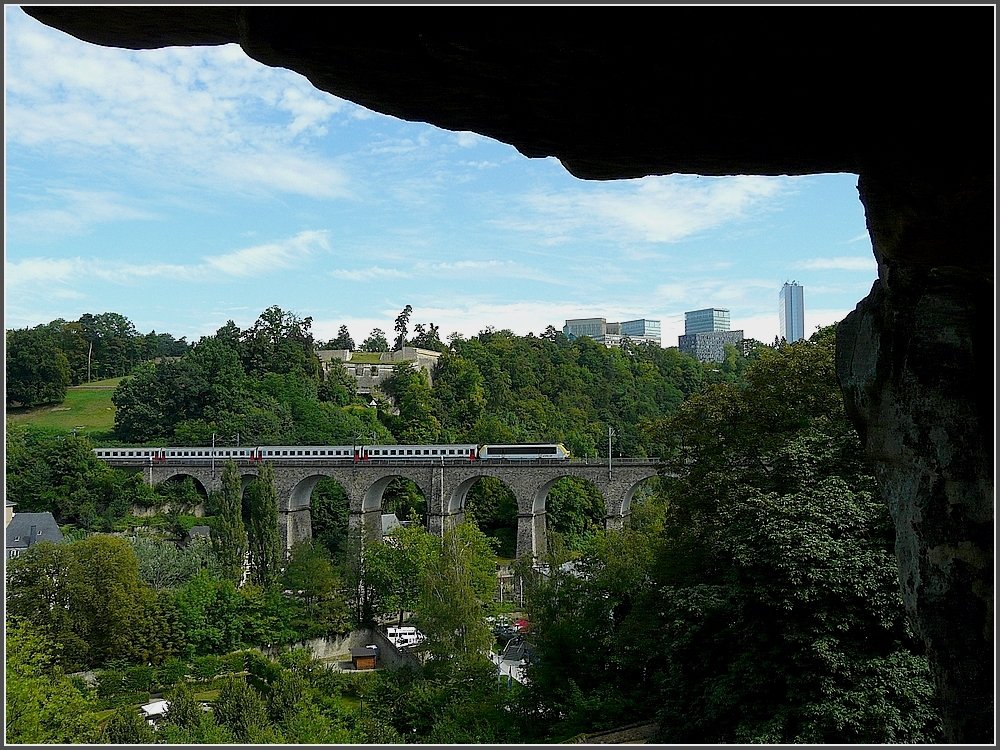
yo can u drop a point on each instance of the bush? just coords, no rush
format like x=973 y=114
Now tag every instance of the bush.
x=139 y=679
x=206 y=667
x=110 y=683
x=172 y=671
x=233 y=662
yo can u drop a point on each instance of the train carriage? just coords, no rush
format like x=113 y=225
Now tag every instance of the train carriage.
x=467 y=452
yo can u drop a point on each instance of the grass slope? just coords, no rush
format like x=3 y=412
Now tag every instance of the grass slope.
x=87 y=409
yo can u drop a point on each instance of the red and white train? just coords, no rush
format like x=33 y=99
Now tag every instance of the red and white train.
x=325 y=453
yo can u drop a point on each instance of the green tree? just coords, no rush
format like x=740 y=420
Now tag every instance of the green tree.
x=243 y=712
x=343 y=340
x=329 y=510
x=164 y=565
x=183 y=709
x=88 y=597
x=456 y=595
x=263 y=540
x=396 y=568
x=280 y=342
x=209 y=612
x=410 y=389
x=42 y=704
x=36 y=368
x=402 y=321
x=338 y=386
x=376 y=342
x=127 y=727
x=312 y=579
x=229 y=535
x=776 y=583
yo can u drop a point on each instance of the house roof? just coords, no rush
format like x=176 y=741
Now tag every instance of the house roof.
x=21 y=535
x=156 y=708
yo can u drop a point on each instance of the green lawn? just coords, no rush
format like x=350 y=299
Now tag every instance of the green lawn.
x=87 y=409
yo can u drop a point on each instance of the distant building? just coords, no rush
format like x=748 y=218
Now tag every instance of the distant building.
x=26 y=529
x=791 y=313
x=612 y=334
x=371 y=368
x=706 y=333
x=709 y=320
x=642 y=330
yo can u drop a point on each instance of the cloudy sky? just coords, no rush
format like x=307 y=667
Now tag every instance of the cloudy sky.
x=184 y=188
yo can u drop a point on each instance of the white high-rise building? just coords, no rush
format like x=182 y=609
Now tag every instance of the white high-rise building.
x=791 y=313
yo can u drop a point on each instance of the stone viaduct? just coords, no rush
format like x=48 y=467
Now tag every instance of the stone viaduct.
x=443 y=485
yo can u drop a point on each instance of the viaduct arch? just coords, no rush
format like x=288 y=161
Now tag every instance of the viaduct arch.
x=445 y=487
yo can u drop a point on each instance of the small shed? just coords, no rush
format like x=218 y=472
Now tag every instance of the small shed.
x=364 y=657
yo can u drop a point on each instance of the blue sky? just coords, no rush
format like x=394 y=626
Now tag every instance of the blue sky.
x=186 y=187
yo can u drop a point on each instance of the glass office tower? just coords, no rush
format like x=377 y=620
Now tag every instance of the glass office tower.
x=791 y=313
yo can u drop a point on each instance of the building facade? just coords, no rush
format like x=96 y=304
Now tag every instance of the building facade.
x=709 y=320
x=791 y=313
x=613 y=334
x=706 y=333
x=709 y=346
x=642 y=330
x=369 y=369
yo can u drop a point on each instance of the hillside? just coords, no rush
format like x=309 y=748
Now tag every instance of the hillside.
x=87 y=409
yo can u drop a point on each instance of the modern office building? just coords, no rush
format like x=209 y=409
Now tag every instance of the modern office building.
x=596 y=328
x=706 y=321
x=706 y=333
x=643 y=330
x=791 y=313
x=612 y=334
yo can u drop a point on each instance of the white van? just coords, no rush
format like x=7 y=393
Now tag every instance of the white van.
x=405 y=636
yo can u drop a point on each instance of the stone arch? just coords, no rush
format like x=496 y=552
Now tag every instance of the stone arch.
x=619 y=512
x=372 y=498
x=181 y=475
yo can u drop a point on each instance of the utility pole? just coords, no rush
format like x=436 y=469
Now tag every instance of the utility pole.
x=611 y=433
x=213 y=455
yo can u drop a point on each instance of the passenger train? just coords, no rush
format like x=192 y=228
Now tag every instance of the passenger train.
x=352 y=453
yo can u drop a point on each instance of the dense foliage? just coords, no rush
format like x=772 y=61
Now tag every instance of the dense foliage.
x=765 y=607
x=44 y=360
x=753 y=599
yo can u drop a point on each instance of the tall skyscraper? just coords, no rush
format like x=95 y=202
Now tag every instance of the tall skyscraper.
x=791 y=312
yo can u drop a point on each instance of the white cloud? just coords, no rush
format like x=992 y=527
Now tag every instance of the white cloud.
x=41 y=271
x=651 y=209
x=194 y=115
x=260 y=259
x=372 y=273
x=74 y=212
x=840 y=263
x=465 y=139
